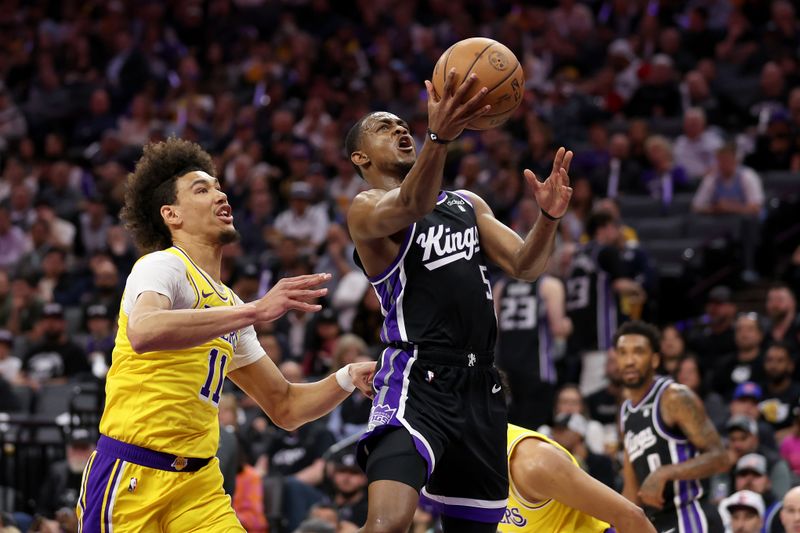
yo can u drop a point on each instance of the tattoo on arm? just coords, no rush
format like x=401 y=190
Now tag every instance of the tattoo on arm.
x=682 y=406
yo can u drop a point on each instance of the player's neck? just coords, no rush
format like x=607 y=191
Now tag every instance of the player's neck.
x=635 y=395
x=205 y=255
x=384 y=181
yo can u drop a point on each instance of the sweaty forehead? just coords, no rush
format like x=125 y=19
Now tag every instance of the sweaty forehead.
x=633 y=340
x=380 y=117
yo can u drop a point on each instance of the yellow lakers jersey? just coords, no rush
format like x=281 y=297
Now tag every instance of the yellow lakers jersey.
x=544 y=517
x=167 y=400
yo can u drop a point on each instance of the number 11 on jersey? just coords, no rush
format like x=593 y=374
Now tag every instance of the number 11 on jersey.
x=205 y=390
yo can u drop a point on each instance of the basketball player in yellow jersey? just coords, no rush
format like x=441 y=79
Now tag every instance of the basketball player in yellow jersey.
x=549 y=493
x=181 y=332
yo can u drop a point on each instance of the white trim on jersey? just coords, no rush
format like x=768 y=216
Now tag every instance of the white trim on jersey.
x=401 y=409
x=401 y=317
x=113 y=497
x=399 y=259
x=463 y=197
x=466 y=502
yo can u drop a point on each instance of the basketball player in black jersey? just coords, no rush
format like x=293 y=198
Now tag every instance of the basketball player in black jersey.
x=438 y=418
x=669 y=442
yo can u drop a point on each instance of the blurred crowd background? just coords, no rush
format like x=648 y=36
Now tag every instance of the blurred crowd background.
x=684 y=117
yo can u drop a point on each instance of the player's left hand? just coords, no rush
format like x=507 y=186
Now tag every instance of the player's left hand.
x=362 y=374
x=652 y=490
x=554 y=193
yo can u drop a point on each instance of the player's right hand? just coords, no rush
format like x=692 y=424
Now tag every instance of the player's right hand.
x=295 y=293
x=449 y=113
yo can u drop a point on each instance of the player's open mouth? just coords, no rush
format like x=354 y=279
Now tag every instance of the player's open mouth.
x=405 y=144
x=224 y=214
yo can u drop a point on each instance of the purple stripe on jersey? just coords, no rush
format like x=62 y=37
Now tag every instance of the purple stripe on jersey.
x=400 y=254
x=388 y=292
x=96 y=484
x=386 y=357
x=696 y=514
x=476 y=514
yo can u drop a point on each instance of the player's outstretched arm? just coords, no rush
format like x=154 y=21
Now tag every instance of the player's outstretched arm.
x=527 y=259
x=153 y=324
x=630 y=485
x=290 y=405
x=376 y=213
x=680 y=406
x=541 y=472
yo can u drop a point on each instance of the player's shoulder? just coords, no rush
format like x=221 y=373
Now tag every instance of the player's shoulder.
x=159 y=261
x=678 y=396
x=473 y=199
x=537 y=453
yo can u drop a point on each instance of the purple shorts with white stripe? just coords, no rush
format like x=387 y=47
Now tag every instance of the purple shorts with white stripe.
x=452 y=405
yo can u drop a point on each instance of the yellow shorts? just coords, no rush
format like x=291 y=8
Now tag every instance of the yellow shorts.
x=118 y=496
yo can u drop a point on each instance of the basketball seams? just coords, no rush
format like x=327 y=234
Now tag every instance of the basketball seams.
x=475 y=61
x=501 y=82
x=444 y=70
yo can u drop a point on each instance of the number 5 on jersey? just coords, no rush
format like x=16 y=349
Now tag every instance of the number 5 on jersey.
x=205 y=390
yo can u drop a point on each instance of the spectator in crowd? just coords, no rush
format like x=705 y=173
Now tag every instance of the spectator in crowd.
x=784 y=322
x=570 y=401
x=751 y=473
x=309 y=226
x=658 y=96
x=790 y=446
x=790 y=511
x=13 y=241
x=781 y=391
x=743 y=439
x=714 y=337
x=672 y=349
x=55 y=357
x=695 y=150
x=349 y=487
x=604 y=404
x=663 y=178
x=9 y=364
x=63 y=481
x=26 y=306
x=689 y=373
x=99 y=343
x=731 y=189
x=744 y=511
x=351 y=416
x=747 y=362
x=745 y=402
x=620 y=174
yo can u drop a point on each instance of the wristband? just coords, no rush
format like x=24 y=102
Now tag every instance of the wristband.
x=435 y=138
x=344 y=379
x=549 y=216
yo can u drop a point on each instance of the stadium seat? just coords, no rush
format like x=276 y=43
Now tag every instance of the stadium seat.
x=24 y=396
x=51 y=402
x=658 y=228
x=709 y=227
x=777 y=183
x=638 y=206
x=670 y=250
x=681 y=204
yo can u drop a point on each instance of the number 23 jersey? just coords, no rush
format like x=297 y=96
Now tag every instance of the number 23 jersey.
x=167 y=400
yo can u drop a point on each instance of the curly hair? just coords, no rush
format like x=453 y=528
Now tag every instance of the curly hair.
x=152 y=185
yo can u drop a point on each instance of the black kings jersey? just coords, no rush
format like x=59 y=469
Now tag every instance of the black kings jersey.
x=524 y=341
x=437 y=293
x=649 y=444
x=591 y=303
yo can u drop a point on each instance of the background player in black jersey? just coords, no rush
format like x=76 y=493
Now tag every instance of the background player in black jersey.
x=532 y=328
x=438 y=419
x=669 y=442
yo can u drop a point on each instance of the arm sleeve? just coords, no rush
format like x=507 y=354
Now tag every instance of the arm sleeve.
x=753 y=189
x=159 y=272
x=248 y=350
x=702 y=198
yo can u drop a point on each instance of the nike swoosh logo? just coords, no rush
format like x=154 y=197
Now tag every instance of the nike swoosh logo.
x=495 y=389
x=205 y=294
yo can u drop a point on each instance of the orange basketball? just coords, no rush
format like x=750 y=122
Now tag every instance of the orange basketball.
x=497 y=69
